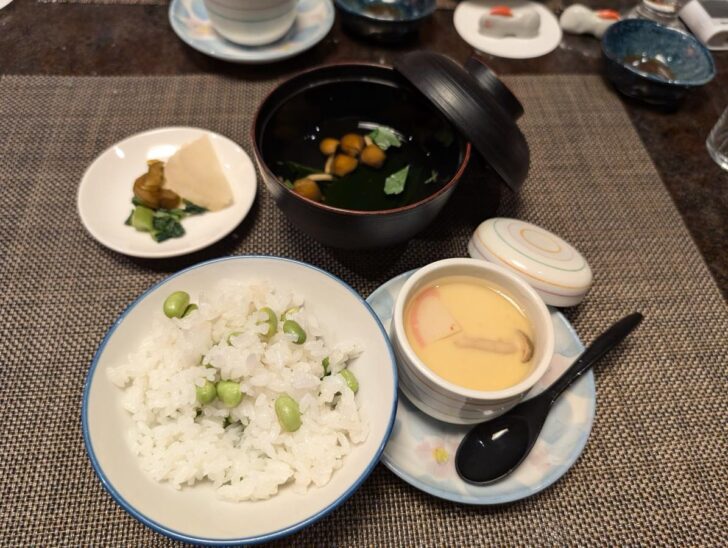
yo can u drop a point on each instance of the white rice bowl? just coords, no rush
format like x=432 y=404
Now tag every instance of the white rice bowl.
x=188 y=476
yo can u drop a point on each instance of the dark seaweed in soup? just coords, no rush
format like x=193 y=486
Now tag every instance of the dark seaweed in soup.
x=430 y=146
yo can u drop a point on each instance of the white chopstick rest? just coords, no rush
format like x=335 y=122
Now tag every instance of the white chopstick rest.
x=553 y=267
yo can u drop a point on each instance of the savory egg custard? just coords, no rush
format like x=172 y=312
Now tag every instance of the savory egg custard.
x=470 y=333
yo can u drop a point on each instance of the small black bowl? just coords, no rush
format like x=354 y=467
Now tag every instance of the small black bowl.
x=393 y=21
x=375 y=93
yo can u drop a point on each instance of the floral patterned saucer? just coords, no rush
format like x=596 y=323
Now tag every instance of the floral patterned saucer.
x=421 y=449
x=190 y=21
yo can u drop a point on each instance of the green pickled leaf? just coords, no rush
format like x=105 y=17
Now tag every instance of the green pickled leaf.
x=192 y=209
x=178 y=214
x=167 y=226
x=385 y=137
x=142 y=219
x=163 y=224
x=287 y=183
x=394 y=184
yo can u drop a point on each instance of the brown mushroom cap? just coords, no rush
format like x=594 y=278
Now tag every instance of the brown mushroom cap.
x=343 y=165
x=526 y=345
x=372 y=156
x=328 y=146
x=352 y=144
x=308 y=189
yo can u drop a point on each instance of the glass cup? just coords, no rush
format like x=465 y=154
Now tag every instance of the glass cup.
x=664 y=12
x=717 y=141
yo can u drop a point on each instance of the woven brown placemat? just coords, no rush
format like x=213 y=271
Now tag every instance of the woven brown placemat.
x=654 y=469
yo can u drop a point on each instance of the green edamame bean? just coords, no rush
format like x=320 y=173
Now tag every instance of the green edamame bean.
x=325 y=362
x=231 y=335
x=271 y=320
x=350 y=379
x=190 y=308
x=229 y=393
x=291 y=327
x=175 y=305
x=289 y=311
x=289 y=416
x=142 y=218
x=206 y=393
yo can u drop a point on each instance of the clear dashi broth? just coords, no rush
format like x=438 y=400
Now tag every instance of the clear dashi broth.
x=429 y=144
x=470 y=333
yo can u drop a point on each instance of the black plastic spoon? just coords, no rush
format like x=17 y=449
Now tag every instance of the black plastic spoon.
x=495 y=448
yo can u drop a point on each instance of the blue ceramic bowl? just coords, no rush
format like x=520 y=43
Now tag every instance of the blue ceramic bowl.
x=385 y=20
x=689 y=61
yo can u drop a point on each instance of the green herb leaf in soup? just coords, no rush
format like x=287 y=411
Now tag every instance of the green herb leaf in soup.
x=293 y=170
x=385 y=137
x=432 y=178
x=394 y=184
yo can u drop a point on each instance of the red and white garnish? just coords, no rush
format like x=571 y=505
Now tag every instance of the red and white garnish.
x=503 y=11
x=608 y=14
x=430 y=320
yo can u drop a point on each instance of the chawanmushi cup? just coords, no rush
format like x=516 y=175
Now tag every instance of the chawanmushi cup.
x=445 y=400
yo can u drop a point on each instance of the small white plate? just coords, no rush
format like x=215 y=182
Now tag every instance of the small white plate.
x=421 y=449
x=191 y=23
x=467 y=18
x=105 y=193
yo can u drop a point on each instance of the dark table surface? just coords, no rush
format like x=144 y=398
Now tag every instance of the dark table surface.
x=95 y=39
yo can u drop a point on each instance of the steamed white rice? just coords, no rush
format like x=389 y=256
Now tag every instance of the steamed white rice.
x=180 y=442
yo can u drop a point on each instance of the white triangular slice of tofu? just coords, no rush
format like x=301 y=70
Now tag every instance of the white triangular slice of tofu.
x=194 y=172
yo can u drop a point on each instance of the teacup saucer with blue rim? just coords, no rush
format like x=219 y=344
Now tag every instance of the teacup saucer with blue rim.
x=191 y=23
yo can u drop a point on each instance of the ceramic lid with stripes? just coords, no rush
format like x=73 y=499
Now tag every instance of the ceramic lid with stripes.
x=554 y=268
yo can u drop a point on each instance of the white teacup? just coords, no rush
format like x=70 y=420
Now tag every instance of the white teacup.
x=252 y=22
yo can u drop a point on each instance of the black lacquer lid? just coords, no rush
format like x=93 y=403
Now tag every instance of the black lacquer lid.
x=490 y=81
x=481 y=107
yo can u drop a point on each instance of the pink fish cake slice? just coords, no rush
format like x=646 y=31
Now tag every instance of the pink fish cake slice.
x=429 y=318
